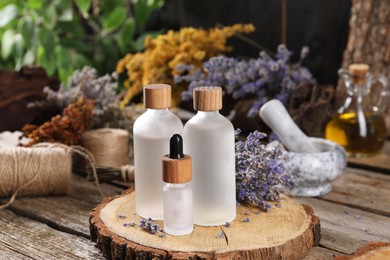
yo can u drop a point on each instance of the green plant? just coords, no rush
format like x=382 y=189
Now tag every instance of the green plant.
x=64 y=35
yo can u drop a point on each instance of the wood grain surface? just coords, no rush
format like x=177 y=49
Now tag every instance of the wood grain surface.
x=356 y=212
x=285 y=232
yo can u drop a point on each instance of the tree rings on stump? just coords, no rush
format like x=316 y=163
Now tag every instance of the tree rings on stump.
x=287 y=231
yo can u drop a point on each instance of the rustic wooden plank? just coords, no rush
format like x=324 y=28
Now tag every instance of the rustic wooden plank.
x=66 y=213
x=320 y=253
x=23 y=238
x=362 y=189
x=344 y=229
x=377 y=162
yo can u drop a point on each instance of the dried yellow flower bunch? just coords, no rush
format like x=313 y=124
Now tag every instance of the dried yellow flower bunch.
x=161 y=56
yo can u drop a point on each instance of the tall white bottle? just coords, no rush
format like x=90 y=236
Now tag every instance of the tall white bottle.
x=151 y=133
x=209 y=140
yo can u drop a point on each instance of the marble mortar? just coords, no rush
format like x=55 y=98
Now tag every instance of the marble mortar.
x=314 y=172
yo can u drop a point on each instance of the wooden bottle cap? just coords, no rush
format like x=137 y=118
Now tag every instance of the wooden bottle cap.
x=207 y=98
x=358 y=72
x=177 y=170
x=157 y=96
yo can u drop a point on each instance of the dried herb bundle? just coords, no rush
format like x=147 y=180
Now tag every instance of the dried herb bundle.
x=260 y=172
x=66 y=128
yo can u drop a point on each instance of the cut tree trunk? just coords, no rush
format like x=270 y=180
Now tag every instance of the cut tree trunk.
x=287 y=231
x=370 y=251
x=369 y=38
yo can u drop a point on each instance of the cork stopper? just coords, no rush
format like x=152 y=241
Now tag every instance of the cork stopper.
x=358 y=72
x=157 y=96
x=207 y=98
x=177 y=167
x=177 y=170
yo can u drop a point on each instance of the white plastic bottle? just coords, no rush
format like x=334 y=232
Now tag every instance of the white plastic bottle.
x=177 y=174
x=151 y=133
x=209 y=140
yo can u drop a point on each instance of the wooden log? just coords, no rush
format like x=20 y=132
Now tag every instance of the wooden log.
x=370 y=251
x=17 y=89
x=285 y=232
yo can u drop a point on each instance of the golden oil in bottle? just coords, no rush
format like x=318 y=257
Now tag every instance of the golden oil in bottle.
x=360 y=135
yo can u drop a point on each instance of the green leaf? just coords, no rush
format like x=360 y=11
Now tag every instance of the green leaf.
x=4 y=3
x=46 y=60
x=108 y=5
x=79 y=61
x=7 y=42
x=50 y=15
x=46 y=39
x=35 y=4
x=141 y=12
x=18 y=51
x=114 y=19
x=7 y=14
x=143 y=9
x=84 y=6
x=62 y=57
x=26 y=28
x=126 y=34
x=29 y=58
x=66 y=15
x=72 y=28
x=76 y=44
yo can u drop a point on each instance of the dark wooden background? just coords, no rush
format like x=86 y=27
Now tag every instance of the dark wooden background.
x=320 y=24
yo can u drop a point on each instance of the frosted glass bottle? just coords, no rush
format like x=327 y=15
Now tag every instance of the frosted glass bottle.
x=177 y=174
x=209 y=140
x=151 y=133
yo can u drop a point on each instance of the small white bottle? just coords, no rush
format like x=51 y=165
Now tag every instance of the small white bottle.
x=151 y=133
x=209 y=140
x=177 y=174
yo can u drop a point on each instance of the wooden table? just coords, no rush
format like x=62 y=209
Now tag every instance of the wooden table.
x=357 y=211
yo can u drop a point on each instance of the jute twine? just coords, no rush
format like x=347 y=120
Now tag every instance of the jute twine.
x=108 y=146
x=42 y=169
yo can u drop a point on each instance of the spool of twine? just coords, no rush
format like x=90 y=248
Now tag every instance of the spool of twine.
x=108 y=146
x=39 y=170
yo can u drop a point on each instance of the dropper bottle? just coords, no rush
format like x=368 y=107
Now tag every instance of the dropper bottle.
x=177 y=175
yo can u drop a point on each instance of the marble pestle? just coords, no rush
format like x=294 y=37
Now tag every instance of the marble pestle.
x=275 y=115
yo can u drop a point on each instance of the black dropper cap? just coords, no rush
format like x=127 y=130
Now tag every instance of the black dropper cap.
x=176 y=147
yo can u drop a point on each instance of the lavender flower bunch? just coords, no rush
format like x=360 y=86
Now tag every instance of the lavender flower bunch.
x=263 y=78
x=260 y=174
x=85 y=82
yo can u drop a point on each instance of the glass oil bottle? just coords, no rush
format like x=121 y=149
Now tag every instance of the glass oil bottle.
x=359 y=126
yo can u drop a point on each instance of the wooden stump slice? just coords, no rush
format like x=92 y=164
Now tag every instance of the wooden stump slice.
x=370 y=251
x=287 y=231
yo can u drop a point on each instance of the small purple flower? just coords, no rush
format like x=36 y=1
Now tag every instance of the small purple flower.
x=246 y=220
x=150 y=226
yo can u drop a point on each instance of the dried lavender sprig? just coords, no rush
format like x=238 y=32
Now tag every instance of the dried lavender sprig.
x=150 y=226
x=260 y=174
